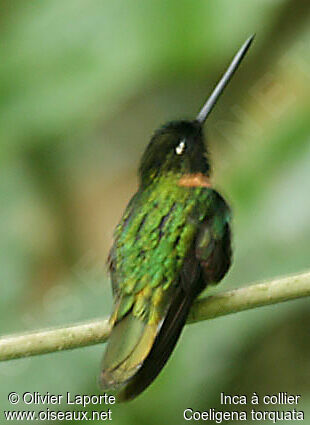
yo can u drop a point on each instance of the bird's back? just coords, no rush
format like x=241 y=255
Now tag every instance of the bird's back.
x=153 y=243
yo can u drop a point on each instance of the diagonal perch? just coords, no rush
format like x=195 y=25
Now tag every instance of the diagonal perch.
x=209 y=307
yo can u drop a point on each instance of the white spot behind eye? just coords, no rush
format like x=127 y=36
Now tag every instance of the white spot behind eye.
x=180 y=148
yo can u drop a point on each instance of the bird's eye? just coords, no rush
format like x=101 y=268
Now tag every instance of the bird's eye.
x=179 y=150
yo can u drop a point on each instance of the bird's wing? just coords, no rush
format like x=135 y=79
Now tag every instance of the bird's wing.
x=213 y=244
x=206 y=263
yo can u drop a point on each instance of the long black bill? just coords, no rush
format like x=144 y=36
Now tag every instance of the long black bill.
x=208 y=106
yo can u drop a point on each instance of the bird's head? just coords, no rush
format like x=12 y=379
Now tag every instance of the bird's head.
x=178 y=147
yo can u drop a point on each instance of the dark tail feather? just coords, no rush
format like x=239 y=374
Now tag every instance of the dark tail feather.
x=163 y=346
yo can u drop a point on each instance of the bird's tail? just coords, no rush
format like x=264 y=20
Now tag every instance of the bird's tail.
x=137 y=351
x=129 y=344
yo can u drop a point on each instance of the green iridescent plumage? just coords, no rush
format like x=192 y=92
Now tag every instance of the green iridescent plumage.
x=163 y=219
x=166 y=229
x=172 y=241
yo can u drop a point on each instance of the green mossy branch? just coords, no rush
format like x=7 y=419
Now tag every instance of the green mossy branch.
x=208 y=307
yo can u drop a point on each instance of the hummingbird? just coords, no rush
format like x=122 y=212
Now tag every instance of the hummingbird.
x=173 y=241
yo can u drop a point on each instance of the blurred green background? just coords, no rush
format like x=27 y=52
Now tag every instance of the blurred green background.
x=83 y=85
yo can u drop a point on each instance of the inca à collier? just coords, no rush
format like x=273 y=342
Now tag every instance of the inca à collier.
x=172 y=241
